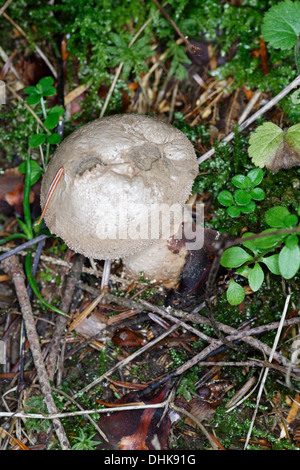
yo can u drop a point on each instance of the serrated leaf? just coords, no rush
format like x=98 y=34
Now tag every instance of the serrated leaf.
x=234 y=257
x=256 y=277
x=264 y=143
x=272 y=263
x=273 y=148
x=289 y=261
x=281 y=25
x=235 y=293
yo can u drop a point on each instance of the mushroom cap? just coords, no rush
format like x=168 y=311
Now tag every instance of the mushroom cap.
x=115 y=170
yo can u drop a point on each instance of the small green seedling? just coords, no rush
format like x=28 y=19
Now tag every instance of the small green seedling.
x=244 y=197
x=84 y=441
x=36 y=95
x=248 y=261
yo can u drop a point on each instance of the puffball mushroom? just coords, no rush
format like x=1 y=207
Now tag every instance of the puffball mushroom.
x=133 y=162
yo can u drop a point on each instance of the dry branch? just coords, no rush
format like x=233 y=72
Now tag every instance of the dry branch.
x=14 y=269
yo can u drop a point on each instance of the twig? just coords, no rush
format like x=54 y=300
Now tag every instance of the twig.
x=254 y=116
x=6 y=4
x=119 y=69
x=61 y=320
x=197 y=422
x=29 y=108
x=127 y=359
x=37 y=48
x=14 y=269
x=54 y=416
x=25 y=245
x=264 y=377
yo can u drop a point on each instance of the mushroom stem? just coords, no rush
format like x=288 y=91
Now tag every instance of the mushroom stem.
x=106 y=273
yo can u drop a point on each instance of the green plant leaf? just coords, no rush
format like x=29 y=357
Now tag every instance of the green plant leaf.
x=291 y=221
x=235 y=293
x=267 y=242
x=238 y=181
x=250 y=244
x=45 y=82
x=289 y=261
x=272 y=263
x=225 y=198
x=281 y=25
x=54 y=138
x=31 y=90
x=256 y=277
x=241 y=197
x=264 y=143
x=256 y=175
x=273 y=148
x=52 y=120
x=36 y=140
x=247 y=183
x=34 y=286
x=275 y=217
x=35 y=171
x=258 y=194
x=291 y=241
x=234 y=257
x=248 y=208
x=56 y=109
x=244 y=271
x=233 y=211
x=33 y=99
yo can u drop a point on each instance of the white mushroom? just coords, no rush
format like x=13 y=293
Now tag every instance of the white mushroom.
x=107 y=179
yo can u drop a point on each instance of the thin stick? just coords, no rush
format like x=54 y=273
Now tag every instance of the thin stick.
x=264 y=377
x=21 y=414
x=254 y=116
x=127 y=360
x=14 y=269
x=119 y=70
x=6 y=4
x=38 y=50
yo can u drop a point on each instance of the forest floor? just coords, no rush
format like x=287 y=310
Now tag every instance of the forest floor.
x=139 y=365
